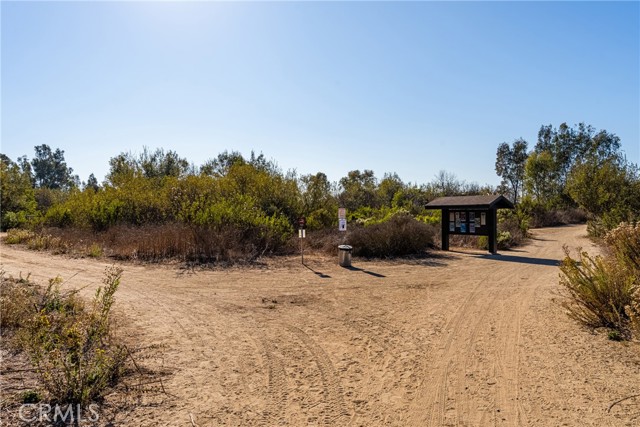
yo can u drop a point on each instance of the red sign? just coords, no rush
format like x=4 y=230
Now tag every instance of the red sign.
x=302 y=223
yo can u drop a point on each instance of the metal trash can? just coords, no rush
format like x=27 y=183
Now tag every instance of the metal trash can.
x=344 y=255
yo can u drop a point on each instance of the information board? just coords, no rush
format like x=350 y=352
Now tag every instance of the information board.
x=468 y=223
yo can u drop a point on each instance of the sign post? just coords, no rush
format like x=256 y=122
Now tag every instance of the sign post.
x=302 y=225
x=342 y=219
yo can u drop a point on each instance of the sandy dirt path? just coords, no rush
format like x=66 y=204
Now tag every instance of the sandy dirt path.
x=462 y=339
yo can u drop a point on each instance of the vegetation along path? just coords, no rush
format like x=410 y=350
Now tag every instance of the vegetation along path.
x=459 y=339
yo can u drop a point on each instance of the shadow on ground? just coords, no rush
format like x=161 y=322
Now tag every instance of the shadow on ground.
x=318 y=273
x=520 y=259
x=352 y=268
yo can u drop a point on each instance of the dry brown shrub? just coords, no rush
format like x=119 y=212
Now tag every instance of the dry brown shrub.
x=175 y=241
x=401 y=235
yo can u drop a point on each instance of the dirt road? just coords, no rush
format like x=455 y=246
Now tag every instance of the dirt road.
x=463 y=339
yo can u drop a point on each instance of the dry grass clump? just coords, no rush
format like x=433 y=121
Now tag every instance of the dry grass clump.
x=38 y=241
x=604 y=291
x=16 y=236
x=17 y=296
x=158 y=242
x=225 y=244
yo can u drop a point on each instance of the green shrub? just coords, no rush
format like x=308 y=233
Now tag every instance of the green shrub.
x=598 y=291
x=504 y=240
x=400 y=235
x=30 y=396
x=604 y=291
x=59 y=216
x=431 y=217
x=321 y=218
x=12 y=220
x=72 y=346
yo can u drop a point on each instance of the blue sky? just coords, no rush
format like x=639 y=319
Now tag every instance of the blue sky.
x=411 y=88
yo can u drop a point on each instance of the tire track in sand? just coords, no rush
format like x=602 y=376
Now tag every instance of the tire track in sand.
x=433 y=386
x=277 y=390
x=298 y=365
x=336 y=413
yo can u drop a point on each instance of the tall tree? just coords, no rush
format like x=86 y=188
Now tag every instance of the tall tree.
x=446 y=184
x=222 y=163
x=388 y=187
x=156 y=164
x=606 y=189
x=358 y=189
x=510 y=165
x=50 y=169
x=318 y=200
x=92 y=183
x=122 y=168
x=160 y=164
x=541 y=177
x=316 y=192
x=568 y=145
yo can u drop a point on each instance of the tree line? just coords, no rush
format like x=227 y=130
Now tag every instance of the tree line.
x=568 y=168
x=571 y=167
x=160 y=186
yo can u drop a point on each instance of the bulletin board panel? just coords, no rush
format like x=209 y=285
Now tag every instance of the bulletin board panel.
x=469 y=222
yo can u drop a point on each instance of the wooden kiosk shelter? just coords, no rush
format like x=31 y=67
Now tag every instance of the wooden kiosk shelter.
x=470 y=216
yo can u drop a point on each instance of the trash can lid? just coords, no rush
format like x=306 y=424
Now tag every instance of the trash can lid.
x=345 y=247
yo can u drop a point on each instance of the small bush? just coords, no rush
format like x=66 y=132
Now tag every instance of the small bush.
x=12 y=220
x=71 y=345
x=400 y=235
x=513 y=227
x=599 y=292
x=94 y=251
x=505 y=240
x=604 y=291
x=615 y=336
x=624 y=245
x=30 y=396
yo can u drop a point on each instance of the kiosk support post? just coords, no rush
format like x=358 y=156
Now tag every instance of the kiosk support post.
x=445 y=229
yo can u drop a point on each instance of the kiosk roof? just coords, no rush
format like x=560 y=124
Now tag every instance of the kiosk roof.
x=493 y=201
